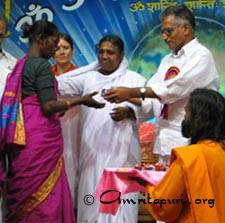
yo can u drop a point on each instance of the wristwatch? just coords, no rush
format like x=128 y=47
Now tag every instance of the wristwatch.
x=142 y=92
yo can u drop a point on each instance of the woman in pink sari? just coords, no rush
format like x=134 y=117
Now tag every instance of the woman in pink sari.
x=37 y=188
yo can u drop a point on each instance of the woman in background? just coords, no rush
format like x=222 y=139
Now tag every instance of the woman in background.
x=63 y=55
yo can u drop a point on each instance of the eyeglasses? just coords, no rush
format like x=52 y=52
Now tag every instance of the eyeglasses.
x=168 y=31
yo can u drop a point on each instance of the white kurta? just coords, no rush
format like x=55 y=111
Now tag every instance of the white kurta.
x=104 y=142
x=196 y=70
x=7 y=63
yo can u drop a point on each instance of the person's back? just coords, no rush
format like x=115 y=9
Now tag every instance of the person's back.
x=214 y=156
x=203 y=167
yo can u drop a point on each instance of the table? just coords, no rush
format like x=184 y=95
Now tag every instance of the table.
x=115 y=183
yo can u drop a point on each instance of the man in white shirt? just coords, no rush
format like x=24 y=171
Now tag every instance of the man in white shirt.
x=7 y=63
x=190 y=65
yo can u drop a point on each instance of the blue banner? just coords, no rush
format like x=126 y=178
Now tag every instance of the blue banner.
x=136 y=22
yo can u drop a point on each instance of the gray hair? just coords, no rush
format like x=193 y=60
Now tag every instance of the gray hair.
x=184 y=14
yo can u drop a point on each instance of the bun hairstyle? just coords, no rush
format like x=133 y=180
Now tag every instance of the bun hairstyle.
x=26 y=31
x=40 y=29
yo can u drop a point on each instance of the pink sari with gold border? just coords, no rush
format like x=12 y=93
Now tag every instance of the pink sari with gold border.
x=37 y=186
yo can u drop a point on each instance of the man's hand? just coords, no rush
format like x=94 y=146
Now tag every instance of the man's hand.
x=89 y=101
x=136 y=101
x=118 y=94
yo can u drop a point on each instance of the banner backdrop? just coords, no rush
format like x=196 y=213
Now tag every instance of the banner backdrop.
x=136 y=22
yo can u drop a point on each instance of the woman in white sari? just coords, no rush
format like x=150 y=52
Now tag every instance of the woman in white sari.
x=109 y=135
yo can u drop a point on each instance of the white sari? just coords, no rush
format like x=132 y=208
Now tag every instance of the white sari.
x=104 y=142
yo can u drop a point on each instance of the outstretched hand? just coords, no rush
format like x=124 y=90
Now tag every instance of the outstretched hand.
x=117 y=95
x=89 y=101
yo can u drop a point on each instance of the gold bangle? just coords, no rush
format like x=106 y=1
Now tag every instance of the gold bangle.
x=69 y=105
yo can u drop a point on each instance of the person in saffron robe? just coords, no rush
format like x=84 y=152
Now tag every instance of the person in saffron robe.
x=193 y=189
x=37 y=188
x=70 y=120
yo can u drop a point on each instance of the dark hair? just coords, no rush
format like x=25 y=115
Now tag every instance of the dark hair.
x=67 y=38
x=40 y=28
x=115 y=40
x=180 y=11
x=207 y=114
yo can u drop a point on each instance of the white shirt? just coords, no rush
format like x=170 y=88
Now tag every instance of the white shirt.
x=196 y=69
x=7 y=63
